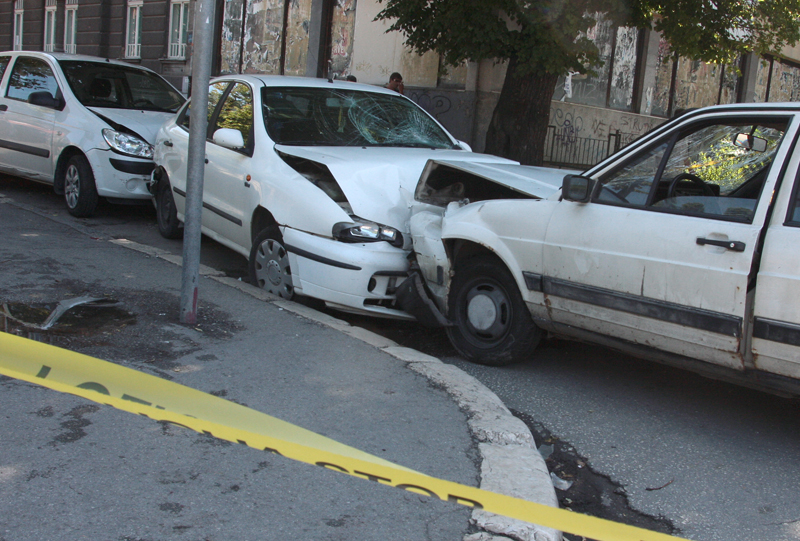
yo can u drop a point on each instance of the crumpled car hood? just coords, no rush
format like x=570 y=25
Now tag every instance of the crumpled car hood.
x=540 y=182
x=143 y=123
x=379 y=182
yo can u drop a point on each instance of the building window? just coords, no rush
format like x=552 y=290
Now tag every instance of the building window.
x=178 y=28
x=612 y=84
x=50 y=26
x=133 y=41
x=18 y=13
x=777 y=80
x=71 y=27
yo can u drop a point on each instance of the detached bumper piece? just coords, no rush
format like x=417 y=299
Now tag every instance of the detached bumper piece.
x=414 y=299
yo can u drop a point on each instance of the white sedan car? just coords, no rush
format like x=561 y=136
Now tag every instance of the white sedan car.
x=312 y=180
x=680 y=248
x=83 y=124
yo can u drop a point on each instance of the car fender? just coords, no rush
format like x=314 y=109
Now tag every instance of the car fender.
x=513 y=230
x=288 y=196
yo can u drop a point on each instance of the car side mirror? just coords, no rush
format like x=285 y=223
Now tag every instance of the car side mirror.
x=229 y=138
x=44 y=99
x=577 y=188
x=464 y=146
x=750 y=142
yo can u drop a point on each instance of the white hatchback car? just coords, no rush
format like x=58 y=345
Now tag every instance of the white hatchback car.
x=81 y=123
x=312 y=180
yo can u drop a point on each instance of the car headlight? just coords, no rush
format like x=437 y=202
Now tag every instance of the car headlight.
x=128 y=144
x=367 y=232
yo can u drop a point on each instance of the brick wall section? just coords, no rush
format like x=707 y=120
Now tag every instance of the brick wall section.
x=155 y=37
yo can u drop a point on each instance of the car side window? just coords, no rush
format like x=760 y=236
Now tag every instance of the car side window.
x=31 y=75
x=4 y=60
x=793 y=218
x=237 y=113
x=712 y=168
x=215 y=93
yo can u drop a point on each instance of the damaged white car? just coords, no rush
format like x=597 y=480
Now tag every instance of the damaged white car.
x=82 y=124
x=312 y=180
x=679 y=248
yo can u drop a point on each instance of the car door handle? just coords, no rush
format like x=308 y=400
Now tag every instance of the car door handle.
x=4 y=107
x=733 y=245
x=206 y=160
x=168 y=143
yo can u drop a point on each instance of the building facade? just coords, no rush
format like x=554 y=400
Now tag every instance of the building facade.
x=638 y=86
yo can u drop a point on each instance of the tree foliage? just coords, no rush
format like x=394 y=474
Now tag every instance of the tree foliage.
x=544 y=39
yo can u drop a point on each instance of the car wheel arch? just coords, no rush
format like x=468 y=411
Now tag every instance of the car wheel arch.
x=61 y=168
x=261 y=219
x=460 y=250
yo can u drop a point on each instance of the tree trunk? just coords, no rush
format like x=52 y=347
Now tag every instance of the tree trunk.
x=519 y=122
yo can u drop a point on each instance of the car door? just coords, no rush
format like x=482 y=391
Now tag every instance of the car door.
x=175 y=149
x=662 y=254
x=227 y=188
x=27 y=137
x=776 y=313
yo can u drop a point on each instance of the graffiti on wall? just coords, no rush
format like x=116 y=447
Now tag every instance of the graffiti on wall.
x=297 y=28
x=230 y=47
x=612 y=82
x=570 y=125
x=342 y=28
x=454 y=109
x=263 y=31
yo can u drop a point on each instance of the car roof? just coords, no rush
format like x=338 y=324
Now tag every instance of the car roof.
x=78 y=57
x=296 y=81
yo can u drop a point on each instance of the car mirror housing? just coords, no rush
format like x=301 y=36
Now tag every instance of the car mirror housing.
x=750 y=142
x=577 y=188
x=229 y=138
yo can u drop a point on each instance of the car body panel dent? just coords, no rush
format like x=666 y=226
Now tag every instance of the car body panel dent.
x=143 y=123
x=379 y=182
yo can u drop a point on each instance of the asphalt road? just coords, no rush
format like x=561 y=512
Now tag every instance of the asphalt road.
x=715 y=461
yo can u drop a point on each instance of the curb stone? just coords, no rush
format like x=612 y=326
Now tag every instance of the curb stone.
x=510 y=463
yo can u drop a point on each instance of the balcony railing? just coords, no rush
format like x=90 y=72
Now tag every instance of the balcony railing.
x=177 y=50
x=133 y=50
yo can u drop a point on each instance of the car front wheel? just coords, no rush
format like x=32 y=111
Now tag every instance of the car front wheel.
x=492 y=325
x=269 y=263
x=80 y=192
x=166 y=213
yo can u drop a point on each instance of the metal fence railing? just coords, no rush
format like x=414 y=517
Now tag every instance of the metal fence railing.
x=565 y=149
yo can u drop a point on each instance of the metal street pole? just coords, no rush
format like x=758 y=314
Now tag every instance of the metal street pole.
x=198 y=123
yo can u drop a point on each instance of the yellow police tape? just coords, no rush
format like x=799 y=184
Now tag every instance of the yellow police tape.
x=162 y=400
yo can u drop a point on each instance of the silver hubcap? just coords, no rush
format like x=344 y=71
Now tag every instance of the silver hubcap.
x=488 y=312
x=72 y=186
x=481 y=312
x=272 y=269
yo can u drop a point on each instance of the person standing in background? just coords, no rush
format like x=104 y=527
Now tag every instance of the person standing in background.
x=395 y=82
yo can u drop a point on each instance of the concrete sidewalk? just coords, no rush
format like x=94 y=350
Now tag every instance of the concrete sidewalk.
x=71 y=469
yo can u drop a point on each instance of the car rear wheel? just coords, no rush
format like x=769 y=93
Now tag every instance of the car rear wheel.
x=492 y=325
x=80 y=192
x=269 y=263
x=166 y=213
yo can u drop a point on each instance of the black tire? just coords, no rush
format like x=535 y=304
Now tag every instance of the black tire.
x=80 y=192
x=269 y=264
x=492 y=324
x=166 y=214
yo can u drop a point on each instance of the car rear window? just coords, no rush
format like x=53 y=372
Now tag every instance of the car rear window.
x=100 y=84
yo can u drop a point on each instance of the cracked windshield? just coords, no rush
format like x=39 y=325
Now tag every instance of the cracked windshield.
x=335 y=117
